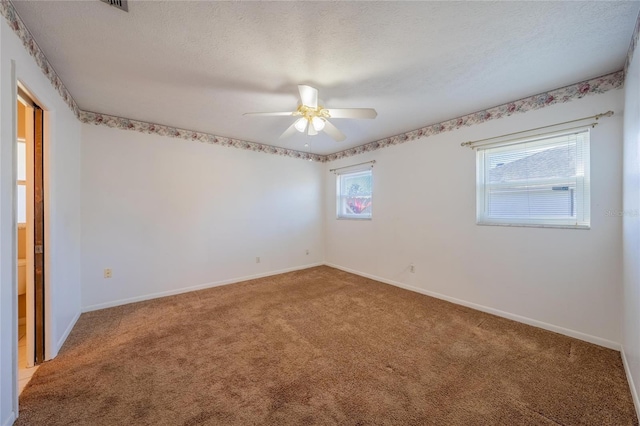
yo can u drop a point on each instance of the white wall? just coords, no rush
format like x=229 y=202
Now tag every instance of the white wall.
x=631 y=228
x=63 y=240
x=167 y=215
x=424 y=213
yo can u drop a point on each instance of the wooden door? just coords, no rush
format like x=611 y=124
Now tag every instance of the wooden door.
x=38 y=233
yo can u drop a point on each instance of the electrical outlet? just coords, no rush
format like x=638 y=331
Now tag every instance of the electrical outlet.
x=257 y=259
x=107 y=273
x=412 y=268
x=307 y=252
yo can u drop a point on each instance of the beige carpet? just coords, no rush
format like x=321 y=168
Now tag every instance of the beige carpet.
x=321 y=346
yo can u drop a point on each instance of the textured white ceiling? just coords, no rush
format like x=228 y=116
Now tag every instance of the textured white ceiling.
x=201 y=65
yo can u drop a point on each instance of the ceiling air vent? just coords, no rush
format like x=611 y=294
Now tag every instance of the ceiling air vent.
x=120 y=4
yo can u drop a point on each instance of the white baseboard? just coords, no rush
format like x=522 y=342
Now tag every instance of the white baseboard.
x=529 y=321
x=632 y=387
x=525 y=320
x=66 y=333
x=10 y=420
x=194 y=288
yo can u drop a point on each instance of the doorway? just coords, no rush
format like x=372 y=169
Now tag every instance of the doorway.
x=30 y=233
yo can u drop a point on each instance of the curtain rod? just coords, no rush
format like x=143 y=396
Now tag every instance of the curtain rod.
x=353 y=165
x=597 y=117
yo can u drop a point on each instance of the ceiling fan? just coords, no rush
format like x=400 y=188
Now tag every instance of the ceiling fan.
x=314 y=118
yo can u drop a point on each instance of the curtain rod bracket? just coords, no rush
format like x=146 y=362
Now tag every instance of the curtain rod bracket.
x=605 y=114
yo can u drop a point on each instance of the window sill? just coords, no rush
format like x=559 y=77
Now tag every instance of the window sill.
x=534 y=225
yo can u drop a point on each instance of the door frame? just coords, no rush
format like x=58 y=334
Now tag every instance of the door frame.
x=49 y=350
x=29 y=139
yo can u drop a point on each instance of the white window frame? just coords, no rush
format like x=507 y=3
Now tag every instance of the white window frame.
x=583 y=186
x=20 y=182
x=341 y=210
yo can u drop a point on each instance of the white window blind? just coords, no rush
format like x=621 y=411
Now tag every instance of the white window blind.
x=541 y=182
x=354 y=194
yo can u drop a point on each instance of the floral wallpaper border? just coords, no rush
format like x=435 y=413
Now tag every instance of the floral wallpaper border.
x=632 y=45
x=31 y=46
x=562 y=95
x=174 y=132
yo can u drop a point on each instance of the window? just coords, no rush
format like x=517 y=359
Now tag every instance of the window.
x=539 y=182
x=22 y=181
x=354 y=190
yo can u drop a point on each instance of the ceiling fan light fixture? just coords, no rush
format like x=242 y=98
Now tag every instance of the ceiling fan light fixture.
x=318 y=123
x=301 y=124
x=313 y=118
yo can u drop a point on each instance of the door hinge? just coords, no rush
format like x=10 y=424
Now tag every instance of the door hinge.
x=39 y=249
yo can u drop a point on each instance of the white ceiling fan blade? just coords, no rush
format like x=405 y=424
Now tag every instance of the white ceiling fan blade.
x=311 y=131
x=290 y=131
x=269 y=114
x=308 y=96
x=352 y=112
x=333 y=131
